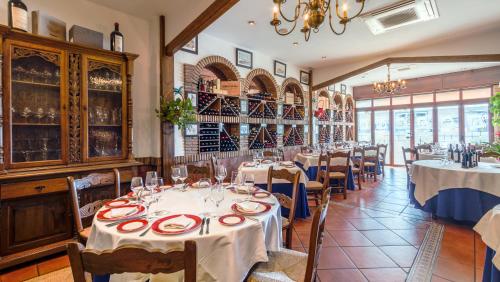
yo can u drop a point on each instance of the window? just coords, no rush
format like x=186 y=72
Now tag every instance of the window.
x=363 y=104
x=476 y=119
x=423 y=126
x=448 y=96
x=402 y=134
x=382 y=102
x=423 y=98
x=448 y=125
x=364 y=121
x=382 y=130
x=402 y=100
x=476 y=93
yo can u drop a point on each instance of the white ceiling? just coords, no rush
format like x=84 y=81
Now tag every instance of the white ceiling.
x=408 y=71
x=457 y=18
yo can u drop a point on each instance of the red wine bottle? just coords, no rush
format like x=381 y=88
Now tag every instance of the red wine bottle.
x=18 y=15
x=116 y=39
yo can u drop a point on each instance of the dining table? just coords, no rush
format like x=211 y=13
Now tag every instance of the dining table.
x=432 y=155
x=447 y=190
x=488 y=229
x=309 y=163
x=224 y=253
x=260 y=172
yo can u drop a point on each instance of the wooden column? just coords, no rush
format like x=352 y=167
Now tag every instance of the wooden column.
x=310 y=112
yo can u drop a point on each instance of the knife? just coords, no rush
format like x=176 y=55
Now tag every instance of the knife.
x=208 y=225
x=202 y=223
x=123 y=220
x=146 y=231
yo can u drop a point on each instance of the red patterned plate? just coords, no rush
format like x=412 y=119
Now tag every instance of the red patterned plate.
x=261 y=194
x=157 y=226
x=105 y=215
x=132 y=225
x=262 y=208
x=117 y=203
x=231 y=219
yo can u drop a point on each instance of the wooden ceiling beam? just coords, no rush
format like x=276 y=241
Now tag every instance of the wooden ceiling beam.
x=403 y=60
x=210 y=15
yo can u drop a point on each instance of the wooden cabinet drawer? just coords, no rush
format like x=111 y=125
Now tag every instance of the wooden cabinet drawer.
x=31 y=188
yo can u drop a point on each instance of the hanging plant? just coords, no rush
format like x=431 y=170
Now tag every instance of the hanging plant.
x=179 y=111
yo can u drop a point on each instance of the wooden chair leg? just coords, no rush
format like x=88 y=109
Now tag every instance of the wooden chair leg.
x=359 y=181
x=383 y=170
x=288 y=239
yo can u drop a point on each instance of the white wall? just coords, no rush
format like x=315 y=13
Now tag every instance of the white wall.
x=487 y=42
x=141 y=37
x=208 y=46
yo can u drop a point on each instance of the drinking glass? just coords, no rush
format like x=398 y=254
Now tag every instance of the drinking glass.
x=220 y=173
x=217 y=196
x=249 y=183
x=183 y=175
x=234 y=179
x=176 y=173
x=136 y=186
x=159 y=184
x=151 y=179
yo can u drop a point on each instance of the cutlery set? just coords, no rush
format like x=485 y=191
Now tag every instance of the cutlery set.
x=205 y=221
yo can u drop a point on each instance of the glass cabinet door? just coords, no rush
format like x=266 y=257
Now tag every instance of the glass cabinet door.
x=105 y=109
x=37 y=108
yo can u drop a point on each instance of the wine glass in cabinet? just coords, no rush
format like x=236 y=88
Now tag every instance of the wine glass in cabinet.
x=36 y=116
x=104 y=106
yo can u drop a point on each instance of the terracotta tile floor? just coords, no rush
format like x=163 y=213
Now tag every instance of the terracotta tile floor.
x=374 y=235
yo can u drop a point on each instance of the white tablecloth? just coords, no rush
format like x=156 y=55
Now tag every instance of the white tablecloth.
x=431 y=156
x=260 y=173
x=226 y=254
x=489 y=229
x=430 y=177
x=312 y=160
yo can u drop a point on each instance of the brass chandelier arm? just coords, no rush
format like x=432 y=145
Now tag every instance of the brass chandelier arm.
x=344 y=24
x=285 y=33
x=348 y=18
x=307 y=34
x=297 y=11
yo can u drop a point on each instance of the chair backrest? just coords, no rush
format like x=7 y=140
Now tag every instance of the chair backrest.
x=371 y=154
x=423 y=147
x=196 y=172
x=268 y=154
x=409 y=156
x=339 y=161
x=284 y=200
x=323 y=161
x=92 y=205
x=382 y=150
x=141 y=260
x=316 y=237
x=358 y=157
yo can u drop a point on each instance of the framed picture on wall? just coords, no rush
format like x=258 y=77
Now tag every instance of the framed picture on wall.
x=331 y=87
x=191 y=129
x=343 y=88
x=244 y=106
x=191 y=46
x=193 y=97
x=279 y=69
x=304 y=77
x=244 y=129
x=244 y=58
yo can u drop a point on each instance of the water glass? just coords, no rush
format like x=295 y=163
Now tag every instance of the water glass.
x=183 y=175
x=217 y=196
x=136 y=186
x=176 y=173
x=151 y=179
x=220 y=173
x=249 y=183
x=234 y=179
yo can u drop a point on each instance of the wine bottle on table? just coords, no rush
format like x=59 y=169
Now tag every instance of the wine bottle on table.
x=116 y=39
x=18 y=15
x=457 y=154
x=450 y=153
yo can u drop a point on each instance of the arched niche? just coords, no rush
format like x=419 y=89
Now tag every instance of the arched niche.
x=323 y=100
x=292 y=85
x=349 y=103
x=337 y=99
x=213 y=67
x=261 y=81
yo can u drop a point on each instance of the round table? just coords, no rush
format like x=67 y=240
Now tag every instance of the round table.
x=432 y=156
x=227 y=253
x=489 y=230
x=463 y=194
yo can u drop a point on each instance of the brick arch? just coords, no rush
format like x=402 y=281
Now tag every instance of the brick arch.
x=338 y=98
x=265 y=78
x=220 y=66
x=294 y=83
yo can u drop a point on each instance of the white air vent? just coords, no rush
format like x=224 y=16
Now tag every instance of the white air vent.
x=400 y=14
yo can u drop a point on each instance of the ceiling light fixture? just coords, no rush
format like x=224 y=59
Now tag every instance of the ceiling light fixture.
x=389 y=87
x=295 y=43
x=313 y=14
x=323 y=58
x=251 y=23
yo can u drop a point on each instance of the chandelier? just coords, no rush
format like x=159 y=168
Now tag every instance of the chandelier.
x=313 y=14
x=389 y=87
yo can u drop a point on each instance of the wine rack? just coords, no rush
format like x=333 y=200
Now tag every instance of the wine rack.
x=294 y=136
x=293 y=112
x=229 y=138
x=262 y=137
x=349 y=132
x=324 y=134
x=217 y=104
x=325 y=115
x=338 y=134
x=209 y=137
x=349 y=116
x=262 y=105
x=230 y=106
x=338 y=116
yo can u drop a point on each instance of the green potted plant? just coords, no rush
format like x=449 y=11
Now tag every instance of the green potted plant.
x=493 y=150
x=179 y=111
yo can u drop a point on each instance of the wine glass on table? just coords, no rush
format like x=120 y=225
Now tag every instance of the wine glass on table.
x=220 y=173
x=183 y=175
x=176 y=173
x=234 y=180
x=249 y=183
x=150 y=176
x=137 y=186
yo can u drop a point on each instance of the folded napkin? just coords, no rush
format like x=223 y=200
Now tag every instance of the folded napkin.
x=287 y=163
x=180 y=222
x=244 y=189
x=197 y=185
x=119 y=212
x=250 y=164
x=248 y=206
x=267 y=162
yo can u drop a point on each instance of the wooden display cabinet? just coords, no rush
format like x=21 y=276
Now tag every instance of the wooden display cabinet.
x=50 y=130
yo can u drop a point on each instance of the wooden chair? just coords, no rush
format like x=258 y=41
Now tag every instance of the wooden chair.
x=268 y=154
x=93 y=200
x=305 y=149
x=195 y=173
x=290 y=265
x=284 y=200
x=316 y=187
x=139 y=260
x=358 y=161
x=423 y=147
x=409 y=156
x=382 y=150
x=371 y=161
x=339 y=171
